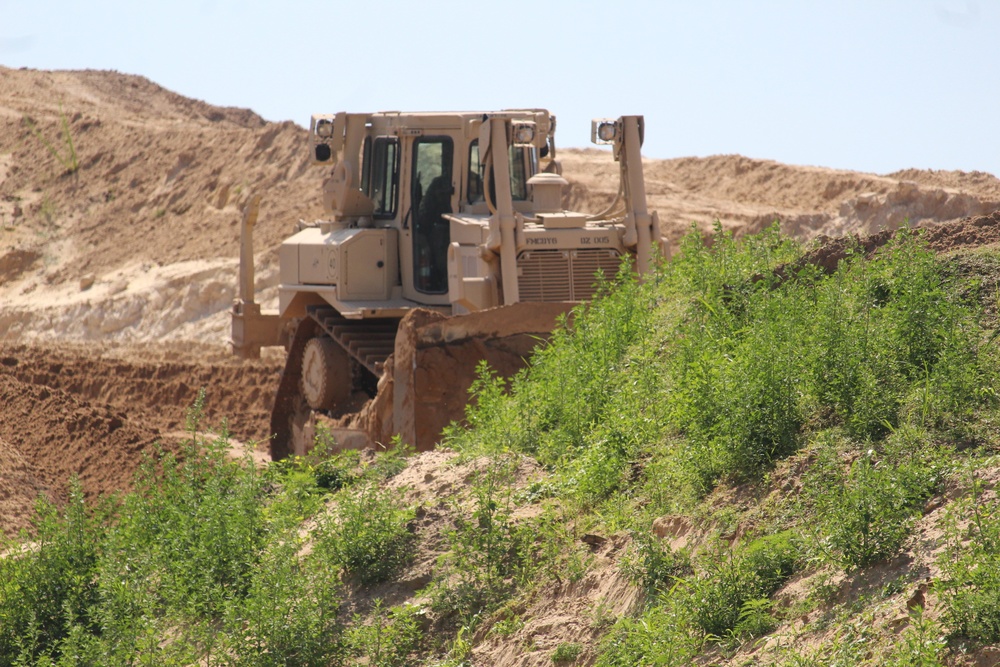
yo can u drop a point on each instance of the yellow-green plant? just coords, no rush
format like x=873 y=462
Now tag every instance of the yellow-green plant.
x=66 y=152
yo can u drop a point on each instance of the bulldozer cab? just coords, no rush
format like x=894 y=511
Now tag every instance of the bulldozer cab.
x=416 y=169
x=418 y=218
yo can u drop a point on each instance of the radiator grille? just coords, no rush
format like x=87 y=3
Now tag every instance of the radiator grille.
x=563 y=275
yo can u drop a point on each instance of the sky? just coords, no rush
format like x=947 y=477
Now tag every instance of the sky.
x=867 y=85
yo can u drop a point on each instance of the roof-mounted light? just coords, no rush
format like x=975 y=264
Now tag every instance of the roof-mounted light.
x=324 y=128
x=523 y=133
x=603 y=131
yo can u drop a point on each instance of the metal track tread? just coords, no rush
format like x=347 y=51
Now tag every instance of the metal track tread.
x=369 y=342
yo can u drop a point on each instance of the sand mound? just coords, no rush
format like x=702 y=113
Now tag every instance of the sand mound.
x=161 y=178
x=746 y=195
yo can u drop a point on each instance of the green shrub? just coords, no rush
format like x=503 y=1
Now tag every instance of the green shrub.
x=390 y=461
x=718 y=365
x=367 y=533
x=203 y=563
x=387 y=637
x=732 y=586
x=866 y=512
x=662 y=636
x=567 y=652
x=970 y=588
x=289 y=615
x=46 y=587
x=487 y=549
x=867 y=517
x=755 y=620
x=653 y=565
x=182 y=545
x=554 y=405
x=922 y=644
x=328 y=470
x=548 y=547
x=727 y=598
x=193 y=529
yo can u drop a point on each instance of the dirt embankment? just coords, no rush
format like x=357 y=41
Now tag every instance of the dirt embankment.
x=155 y=384
x=48 y=436
x=746 y=195
x=93 y=412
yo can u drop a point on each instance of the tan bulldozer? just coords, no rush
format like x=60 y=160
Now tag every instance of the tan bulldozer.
x=445 y=243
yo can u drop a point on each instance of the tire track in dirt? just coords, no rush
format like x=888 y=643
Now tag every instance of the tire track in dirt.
x=94 y=411
x=157 y=390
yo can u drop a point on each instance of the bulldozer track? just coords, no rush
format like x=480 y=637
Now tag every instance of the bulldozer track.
x=369 y=342
x=288 y=398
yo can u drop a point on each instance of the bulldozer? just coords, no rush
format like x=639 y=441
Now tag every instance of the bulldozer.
x=444 y=243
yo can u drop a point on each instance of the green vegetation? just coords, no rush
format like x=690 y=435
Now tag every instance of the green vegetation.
x=797 y=426
x=203 y=561
x=707 y=377
x=367 y=534
x=388 y=639
x=972 y=566
x=567 y=652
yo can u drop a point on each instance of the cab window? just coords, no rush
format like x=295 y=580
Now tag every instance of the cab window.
x=431 y=200
x=517 y=161
x=380 y=174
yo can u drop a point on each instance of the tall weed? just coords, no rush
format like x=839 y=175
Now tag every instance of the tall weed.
x=65 y=153
x=487 y=549
x=387 y=637
x=971 y=566
x=367 y=533
x=198 y=523
x=731 y=584
x=289 y=615
x=865 y=510
x=46 y=586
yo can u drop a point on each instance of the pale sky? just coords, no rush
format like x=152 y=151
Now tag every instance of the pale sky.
x=869 y=85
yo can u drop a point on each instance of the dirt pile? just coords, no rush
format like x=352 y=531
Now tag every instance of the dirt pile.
x=974 y=232
x=92 y=410
x=140 y=240
x=48 y=436
x=155 y=384
x=746 y=195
